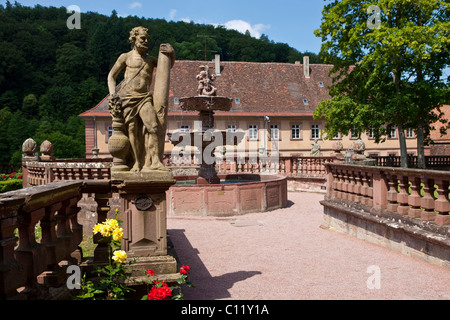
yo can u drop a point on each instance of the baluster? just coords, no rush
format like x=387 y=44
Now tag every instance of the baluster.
x=427 y=201
x=345 y=183
x=391 y=197
x=349 y=185
x=70 y=237
x=54 y=247
x=369 y=189
x=12 y=275
x=95 y=173
x=76 y=228
x=29 y=252
x=357 y=187
x=442 y=204
x=364 y=188
x=77 y=174
x=414 y=199
x=334 y=183
x=339 y=181
x=69 y=173
x=102 y=251
x=402 y=197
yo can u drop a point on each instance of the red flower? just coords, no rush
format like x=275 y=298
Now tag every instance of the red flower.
x=159 y=292
x=184 y=269
x=21 y=176
x=150 y=272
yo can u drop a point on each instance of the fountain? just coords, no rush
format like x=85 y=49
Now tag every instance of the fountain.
x=211 y=194
x=206 y=103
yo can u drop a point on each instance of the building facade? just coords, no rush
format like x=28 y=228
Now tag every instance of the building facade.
x=273 y=103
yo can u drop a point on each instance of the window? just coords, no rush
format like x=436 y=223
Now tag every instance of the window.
x=372 y=133
x=185 y=128
x=295 y=131
x=231 y=128
x=337 y=136
x=253 y=132
x=321 y=84
x=274 y=132
x=176 y=100
x=392 y=132
x=305 y=101
x=355 y=134
x=410 y=133
x=237 y=100
x=315 y=131
x=110 y=132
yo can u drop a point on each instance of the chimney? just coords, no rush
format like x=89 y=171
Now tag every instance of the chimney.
x=217 y=62
x=306 y=66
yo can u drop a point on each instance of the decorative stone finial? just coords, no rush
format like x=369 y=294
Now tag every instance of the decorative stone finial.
x=46 y=151
x=29 y=147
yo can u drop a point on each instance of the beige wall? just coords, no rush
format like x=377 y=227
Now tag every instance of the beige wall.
x=286 y=144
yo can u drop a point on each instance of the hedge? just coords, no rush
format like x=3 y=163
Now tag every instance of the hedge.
x=10 y=185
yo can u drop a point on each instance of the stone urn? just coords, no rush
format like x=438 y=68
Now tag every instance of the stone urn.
x=119 y=147
x=29 y=147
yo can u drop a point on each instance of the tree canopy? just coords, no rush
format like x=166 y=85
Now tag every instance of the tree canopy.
x=49 y=74
x=388 y=57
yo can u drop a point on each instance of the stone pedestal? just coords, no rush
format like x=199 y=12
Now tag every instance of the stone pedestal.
x=144 y=219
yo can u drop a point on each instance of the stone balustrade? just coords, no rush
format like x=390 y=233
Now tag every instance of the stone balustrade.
x=33 y=264
x=37 y=172
x=419 y=194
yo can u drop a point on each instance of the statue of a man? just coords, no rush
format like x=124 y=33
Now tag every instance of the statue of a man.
x=143 y=113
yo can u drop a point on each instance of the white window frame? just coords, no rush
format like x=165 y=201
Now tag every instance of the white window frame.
x=295 y=131
x=274 y=132
x=253 y=132
x=315 y=131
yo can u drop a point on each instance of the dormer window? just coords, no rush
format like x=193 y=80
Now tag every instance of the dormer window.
x=321 y=84
x=237 y=100
x=305 y=101
x=176 y=100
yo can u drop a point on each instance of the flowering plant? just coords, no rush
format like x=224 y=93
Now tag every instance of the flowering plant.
x=110 y=285
x=161 y=291
x=11 y=176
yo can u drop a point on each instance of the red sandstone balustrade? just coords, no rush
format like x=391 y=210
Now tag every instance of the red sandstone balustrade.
x=408 y=192
x=30 y=266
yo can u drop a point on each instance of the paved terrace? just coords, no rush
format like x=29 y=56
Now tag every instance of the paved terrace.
x=285 y=255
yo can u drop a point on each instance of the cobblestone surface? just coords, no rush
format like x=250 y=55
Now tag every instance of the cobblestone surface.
x=285 y=255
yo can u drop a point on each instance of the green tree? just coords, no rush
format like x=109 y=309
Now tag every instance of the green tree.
x=388 y=66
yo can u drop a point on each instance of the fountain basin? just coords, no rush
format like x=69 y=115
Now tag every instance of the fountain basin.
x=259 y=193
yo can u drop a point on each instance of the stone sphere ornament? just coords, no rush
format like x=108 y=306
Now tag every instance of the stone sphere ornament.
x=359 y=147
x=46 y=148
x=337 y=146
x=29 y=147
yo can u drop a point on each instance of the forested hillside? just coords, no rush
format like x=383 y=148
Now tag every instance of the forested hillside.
x=49 y=74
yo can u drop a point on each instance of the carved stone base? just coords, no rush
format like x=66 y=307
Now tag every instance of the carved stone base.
x=165 y=268
x=142 y=197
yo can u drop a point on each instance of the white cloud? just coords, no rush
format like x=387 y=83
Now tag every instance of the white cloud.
x=135 y=5
x=242 y=26
x=172 y=14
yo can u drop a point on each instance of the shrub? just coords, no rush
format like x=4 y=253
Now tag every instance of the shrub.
x=10 y=185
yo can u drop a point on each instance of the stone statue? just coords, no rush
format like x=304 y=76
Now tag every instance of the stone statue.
x=205 y=80
x=315 y=150
x=139 y=116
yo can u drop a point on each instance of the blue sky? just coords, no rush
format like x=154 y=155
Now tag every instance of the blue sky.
x=287 y=21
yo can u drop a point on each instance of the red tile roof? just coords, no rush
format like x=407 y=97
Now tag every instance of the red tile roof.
x=262 y=88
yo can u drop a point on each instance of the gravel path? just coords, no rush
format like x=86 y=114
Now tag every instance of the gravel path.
x=285 y=255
